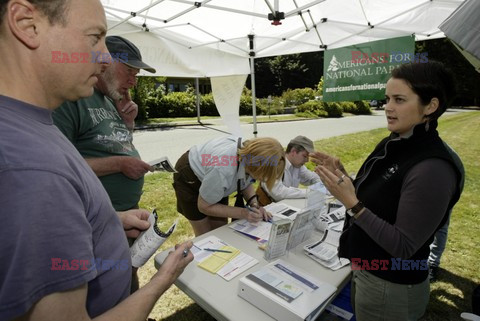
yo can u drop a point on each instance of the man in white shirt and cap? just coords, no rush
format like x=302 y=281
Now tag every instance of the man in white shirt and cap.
x=295 y=174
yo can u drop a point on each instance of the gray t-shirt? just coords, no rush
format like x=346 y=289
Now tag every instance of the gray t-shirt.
x=59 y=229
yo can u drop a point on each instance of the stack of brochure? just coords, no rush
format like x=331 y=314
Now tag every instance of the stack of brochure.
x=325 y=251
x=330 y=217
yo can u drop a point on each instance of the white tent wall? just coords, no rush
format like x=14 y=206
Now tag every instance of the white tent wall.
x=172 y=60
x=210 y=38
x=226 y=93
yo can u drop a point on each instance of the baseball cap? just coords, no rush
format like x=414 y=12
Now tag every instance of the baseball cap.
x=120 y=45
x=304 y=142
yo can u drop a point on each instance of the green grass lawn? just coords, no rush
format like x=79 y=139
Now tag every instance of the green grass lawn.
x=450 y=296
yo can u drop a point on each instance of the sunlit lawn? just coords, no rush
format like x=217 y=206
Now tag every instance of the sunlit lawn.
x=450 y=296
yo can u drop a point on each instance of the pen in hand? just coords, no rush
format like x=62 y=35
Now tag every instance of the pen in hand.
x=251 y=210
x=216 y=250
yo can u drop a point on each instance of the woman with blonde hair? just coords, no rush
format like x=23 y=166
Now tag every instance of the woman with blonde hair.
x=208 y=173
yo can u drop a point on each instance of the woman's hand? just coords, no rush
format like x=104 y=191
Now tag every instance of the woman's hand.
x=267 y=216
x=252 y=215
x=330 y=162
x=339 y=185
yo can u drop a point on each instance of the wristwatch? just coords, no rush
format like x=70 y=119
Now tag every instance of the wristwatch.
x=356 y=209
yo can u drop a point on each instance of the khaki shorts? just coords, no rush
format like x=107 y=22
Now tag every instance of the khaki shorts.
x=187 y=187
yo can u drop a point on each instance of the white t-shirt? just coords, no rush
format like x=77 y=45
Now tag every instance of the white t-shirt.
x=215 y=164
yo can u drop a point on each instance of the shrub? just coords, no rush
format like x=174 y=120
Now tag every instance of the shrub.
x=297 y=96
x=313 y=107
x=144 y=93
x=178 y=104
x=274 y=108
x=348 y=106
x=333 y=109
x=310 y=106
x=152 y=103
x=245 y=103
x=207 y=105
x=362 y=108
x=307 y=114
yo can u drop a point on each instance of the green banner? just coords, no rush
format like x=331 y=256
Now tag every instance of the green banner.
x=360 y=72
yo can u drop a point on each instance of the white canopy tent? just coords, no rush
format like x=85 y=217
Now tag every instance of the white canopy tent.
x=463 y=29
x=220 y=38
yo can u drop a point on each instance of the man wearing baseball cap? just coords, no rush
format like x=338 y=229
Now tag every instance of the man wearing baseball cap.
x=295 y=173
x=101 y=126
x=129 y=53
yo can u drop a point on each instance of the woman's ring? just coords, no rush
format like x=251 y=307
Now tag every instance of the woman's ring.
x=340 y=180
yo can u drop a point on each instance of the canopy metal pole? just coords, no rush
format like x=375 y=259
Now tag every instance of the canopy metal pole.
x=254 y=99
x=197 y=93
x=252 y=80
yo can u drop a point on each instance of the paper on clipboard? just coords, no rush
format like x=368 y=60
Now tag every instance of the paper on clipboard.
x=259 y=231
x=226 y=265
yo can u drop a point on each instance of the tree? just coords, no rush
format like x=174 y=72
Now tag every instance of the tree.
x=467 y=79
x=275 y=75
x=320 y=87
x=142 y=91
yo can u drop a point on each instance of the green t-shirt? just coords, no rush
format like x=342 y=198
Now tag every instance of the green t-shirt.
x=96 y=129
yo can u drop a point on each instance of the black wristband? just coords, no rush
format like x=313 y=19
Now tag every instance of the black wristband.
x=251 y=198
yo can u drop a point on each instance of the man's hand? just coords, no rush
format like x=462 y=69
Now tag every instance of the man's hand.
x=133 y=167
x=127 y=109
x=129 y=166
x=134 y=221
x=174 y=264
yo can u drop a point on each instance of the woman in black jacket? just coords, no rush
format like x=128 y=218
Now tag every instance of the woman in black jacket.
x=399 y=198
